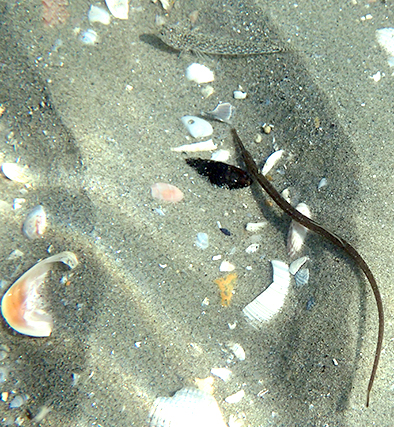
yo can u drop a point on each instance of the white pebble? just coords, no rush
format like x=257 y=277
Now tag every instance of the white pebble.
x=199 y=73
x=197 y=127
x=236 y=397
x=226 y=266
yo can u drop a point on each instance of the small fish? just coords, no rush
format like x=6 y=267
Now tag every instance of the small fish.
x=221 y=174
x=184 y=40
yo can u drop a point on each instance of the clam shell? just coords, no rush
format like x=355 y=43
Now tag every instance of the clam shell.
x=118 y=8
x=35 y=223
x=189 y=407
x=15 y=173
x=268 y=303
x=21 y=305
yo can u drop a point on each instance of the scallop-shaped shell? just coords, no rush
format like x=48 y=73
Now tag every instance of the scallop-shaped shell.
x=166 y=192
x=297 y=232
x=189 y=407
x=35 y=223
x=197 y=127
x=21 y=305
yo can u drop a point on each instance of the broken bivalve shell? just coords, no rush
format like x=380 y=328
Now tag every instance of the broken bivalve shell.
x=21 y=305
x=164 y=192
x=297 y=232
x=196 y=146
x=98 y=14
x=268 y=303
x=271 y=161
x=35 y=223
x=197 y=127
x=189 y=407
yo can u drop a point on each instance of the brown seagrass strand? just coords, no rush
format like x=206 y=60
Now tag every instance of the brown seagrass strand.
x=318 y=229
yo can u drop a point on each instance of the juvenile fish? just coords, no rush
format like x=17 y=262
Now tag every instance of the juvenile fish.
x=190 y=41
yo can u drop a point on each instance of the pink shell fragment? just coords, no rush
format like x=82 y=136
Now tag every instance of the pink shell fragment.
x=166 y=192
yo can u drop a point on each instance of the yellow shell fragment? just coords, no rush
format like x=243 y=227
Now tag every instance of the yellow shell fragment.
x=21 y=305
x=226 y=286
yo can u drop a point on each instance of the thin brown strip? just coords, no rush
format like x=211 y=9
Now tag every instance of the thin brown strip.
x=318 y=229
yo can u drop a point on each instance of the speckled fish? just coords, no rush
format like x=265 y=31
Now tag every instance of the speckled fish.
x=189 y=41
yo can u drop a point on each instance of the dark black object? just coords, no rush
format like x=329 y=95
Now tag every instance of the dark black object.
x=225 y=231
x=221 y=174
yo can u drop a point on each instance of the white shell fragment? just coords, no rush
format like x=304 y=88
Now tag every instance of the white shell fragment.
x=118 y=8
x=222 y=373
x=226 y=266
x=21 y=305
x=222 y=112
x=196 y=146
x=189 y=407
x=297 y=232
x=197 y=127
x=252 y=248
x=14 y=172
x=271 y=161
x=238 y=350
x=385 y=37
x=89 y=37
x=202 y=240
x=236 y=397
x=322 y=183
x=301 y=278
x=220 y=155
x=268 y=303
x=297 y=264
x=35 y=223
x=199 y=73
x=238 y=94
x=253 y=227
x=98 y=14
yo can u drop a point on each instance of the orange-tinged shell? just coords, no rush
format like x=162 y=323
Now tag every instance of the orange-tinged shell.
x=166 y=192
x=21 y=305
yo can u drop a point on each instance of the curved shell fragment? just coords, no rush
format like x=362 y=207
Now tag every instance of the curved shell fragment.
x=197 y=127
x=21 y=305
x=14 y=172
x=118 y=8
x=297 y=232
x=271 y=161
x=35 y=223
x=199 y=73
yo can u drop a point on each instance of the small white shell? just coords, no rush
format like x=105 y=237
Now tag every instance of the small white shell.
x=222 y=112
x=202 y=240
x=118 y=8
x=253 y=227
x=236 y=397
x=226 y=266
x=297 y=264
x=297 y=232
x=268 y=303
x=271 y=161
x=385 y=37
x=98 y=14
x=238 y=350
x=35 y=223
x=196 y=146
x=189 y=407
x=89 y=37
x=199 y=73
x=322 y=183
x=15 y=173
x=220 y=155
x=223 y=373
x=302 y=277
x=21 y=305
x=254 y=247
x=197 y=127
x=238 y=94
